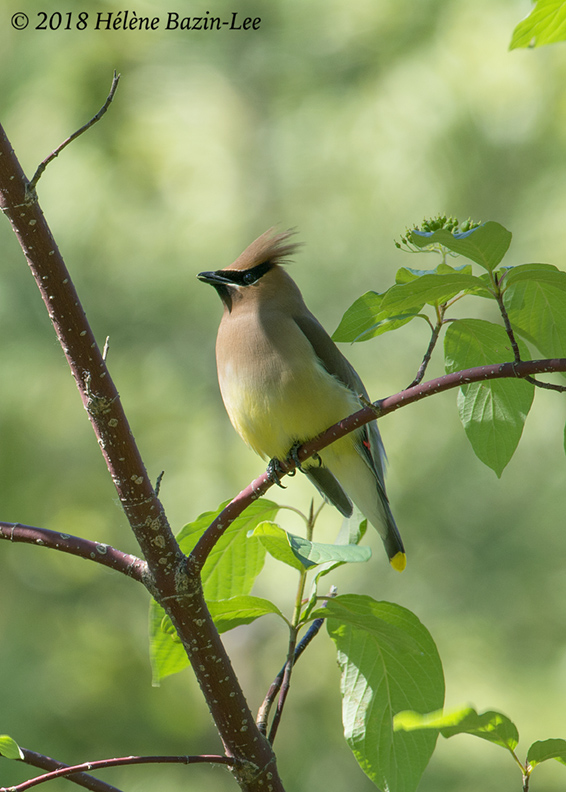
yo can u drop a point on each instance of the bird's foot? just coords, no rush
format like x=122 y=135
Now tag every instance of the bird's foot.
x=275 y=471
x=294 y=455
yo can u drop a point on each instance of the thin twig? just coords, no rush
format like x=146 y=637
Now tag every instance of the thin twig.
x=63 y=772
x=34 y=759
x=507 y=322
x=546 y=385
x=293 y=633
x=285 y=687
x=106 y=348
x=30 y=188
x=428 y=354
x=515 y=346
x=275 y=687
x=158 y=482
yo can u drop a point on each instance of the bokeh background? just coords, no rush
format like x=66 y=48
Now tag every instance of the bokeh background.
x=350 y=122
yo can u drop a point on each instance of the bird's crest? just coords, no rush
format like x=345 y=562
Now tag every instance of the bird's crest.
x=267 y=247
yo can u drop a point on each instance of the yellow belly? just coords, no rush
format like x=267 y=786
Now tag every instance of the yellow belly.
x=272 y=410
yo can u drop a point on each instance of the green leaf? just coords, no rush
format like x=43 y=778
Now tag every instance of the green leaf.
x=542 y=750
x=229 y=571
x=276 y=541
x=314 y=553
x=364 y=319
x=351 y=532
x=408 y=274
x=387 y=659
x=10 y=748
x=431 y=288
x=540 y=273
x=486 y=244
x=491 y=726
x=493 y=413
x=537 y=311
x=546 y=24
x=304 y=554
x=230 y=613
x=233 y=612
x=166 y=653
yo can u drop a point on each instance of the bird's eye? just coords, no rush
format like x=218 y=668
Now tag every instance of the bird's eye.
x=249 y=278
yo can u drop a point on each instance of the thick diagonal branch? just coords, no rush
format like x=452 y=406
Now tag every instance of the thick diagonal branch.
x=180 y=595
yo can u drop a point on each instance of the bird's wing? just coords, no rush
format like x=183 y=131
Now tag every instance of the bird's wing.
x=328 y=353
x=371 y=446
x=367 y=438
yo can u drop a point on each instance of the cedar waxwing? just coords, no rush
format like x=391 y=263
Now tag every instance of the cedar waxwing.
x=284 y=381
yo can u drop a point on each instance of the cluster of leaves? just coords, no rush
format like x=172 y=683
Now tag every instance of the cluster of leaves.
x=531 y=299
x=388 y=660
x=494 y=727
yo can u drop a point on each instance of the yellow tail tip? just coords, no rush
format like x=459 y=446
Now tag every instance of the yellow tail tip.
x=398 y=562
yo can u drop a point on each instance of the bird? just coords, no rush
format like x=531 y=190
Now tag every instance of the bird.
x=284 y=381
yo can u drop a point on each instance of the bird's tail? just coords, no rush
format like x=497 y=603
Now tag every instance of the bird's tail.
x=356 y=462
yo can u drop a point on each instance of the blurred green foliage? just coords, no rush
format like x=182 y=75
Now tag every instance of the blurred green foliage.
x=350 y=122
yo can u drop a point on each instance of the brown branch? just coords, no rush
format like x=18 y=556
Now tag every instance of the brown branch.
x=100 y=553
x=81 y=779
x=180 y=595
x=430 y=349
x=30 y=187
x=546 y=385
x=285 y=687
x=275 y=687
x=65 y=771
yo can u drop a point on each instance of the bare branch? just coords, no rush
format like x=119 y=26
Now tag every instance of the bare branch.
x=430 y=349
x=80 y=779
x=30 y=188
x=65 y=771
x=285 y=687
x=515 y=346
x=546 y=385
x=100 y=553
x=275 y=687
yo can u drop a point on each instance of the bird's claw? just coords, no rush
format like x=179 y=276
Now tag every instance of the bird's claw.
x=274 y=472
x=294 y=455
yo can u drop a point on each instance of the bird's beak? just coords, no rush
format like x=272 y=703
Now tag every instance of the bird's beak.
x=214 y=278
